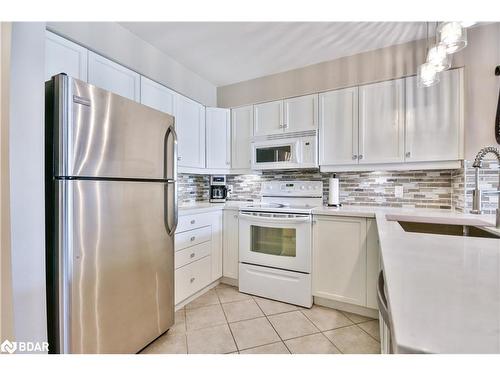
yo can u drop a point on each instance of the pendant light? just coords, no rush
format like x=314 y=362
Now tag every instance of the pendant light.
x=453 y=36
x=437 y=55
x=427 y=75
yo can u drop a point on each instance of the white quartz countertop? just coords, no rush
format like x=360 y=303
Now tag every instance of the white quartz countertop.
x=443 y=291
x=200 y=207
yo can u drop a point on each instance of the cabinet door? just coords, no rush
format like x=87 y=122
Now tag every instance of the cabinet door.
x=157 y=96
x=381 y=122
x=372 y=263
x=190 y=126
x=113 y=77
x=218 y=130
x=268 y=118
x=339 y=259
x=63 y=56
x=301 y=113
x=338 y=127
x=434 y=119
x=230 y=249
x=241 y=136
x=217 y=245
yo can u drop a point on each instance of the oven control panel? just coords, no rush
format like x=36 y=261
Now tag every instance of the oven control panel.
x=292 y=188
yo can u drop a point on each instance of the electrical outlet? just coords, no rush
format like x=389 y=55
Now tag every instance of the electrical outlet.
x=398 y=191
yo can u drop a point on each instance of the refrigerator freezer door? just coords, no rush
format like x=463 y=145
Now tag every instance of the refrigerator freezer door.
x=120 y=260
x=100 y=134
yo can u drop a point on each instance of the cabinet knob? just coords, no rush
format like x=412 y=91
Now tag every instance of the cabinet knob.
x=354 y=157
x=192 y=238
x=235 y=216
x=193 y=221
x=408 y=154
x=191 y=280
x=360 y=156
x=179 y=158
x=192 y=255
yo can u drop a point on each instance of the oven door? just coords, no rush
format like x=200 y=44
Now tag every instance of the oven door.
x=278 y=240
x=276 y=154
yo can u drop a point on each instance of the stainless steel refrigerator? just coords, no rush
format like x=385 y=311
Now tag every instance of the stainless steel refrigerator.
x=111 y=212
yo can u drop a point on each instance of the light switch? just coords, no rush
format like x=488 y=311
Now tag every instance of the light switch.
x=398 y=191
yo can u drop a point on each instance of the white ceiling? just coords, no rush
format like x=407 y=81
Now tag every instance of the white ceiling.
x=230 y=52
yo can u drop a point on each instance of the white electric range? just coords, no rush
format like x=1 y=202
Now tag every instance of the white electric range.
x=275 y=241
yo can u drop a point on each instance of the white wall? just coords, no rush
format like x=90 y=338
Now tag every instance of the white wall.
x=119 y=44
x=6 y=312
x=27 y=180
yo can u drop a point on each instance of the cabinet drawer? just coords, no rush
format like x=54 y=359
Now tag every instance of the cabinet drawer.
x=192 y=237
x=189 y=222
x=192 y=278
x=191 y=254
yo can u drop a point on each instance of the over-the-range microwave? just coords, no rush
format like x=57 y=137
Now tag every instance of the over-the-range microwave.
x=285 y=152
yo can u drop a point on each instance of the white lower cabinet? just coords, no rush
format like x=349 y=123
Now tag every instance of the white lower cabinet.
x=344 y=250
x=231 y=244
x=192 y=278
x=198 y=253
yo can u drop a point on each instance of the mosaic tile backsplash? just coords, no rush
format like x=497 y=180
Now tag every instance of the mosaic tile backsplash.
x=447 y=188
x=426 y=189
x=464 y=183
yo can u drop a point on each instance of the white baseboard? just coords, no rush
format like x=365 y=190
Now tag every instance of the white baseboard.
x=181 y=304
x=343 y=306
x=229 y=281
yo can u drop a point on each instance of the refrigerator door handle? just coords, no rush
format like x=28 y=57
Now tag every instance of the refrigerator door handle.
x=170 y=156
x=171 y=181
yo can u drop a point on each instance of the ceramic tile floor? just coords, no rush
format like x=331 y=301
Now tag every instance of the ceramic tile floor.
x=226 y=321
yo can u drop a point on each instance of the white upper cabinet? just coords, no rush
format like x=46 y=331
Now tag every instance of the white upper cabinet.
x=381 y=122
x=63 y=56
x=338 y=127
x=190 y=126
x=301 y=113
x=434 y=119
x=157 y=96
x=241 y=136
x=113 y=77
x=218 y=128
x=290 y=115
x=268 y=118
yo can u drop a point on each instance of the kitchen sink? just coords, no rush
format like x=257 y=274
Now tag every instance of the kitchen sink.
x=446 y=229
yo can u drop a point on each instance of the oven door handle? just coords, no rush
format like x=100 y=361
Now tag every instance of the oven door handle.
x=275 y=219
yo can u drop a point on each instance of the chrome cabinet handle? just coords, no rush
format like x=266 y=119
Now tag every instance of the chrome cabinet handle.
x=360 y=156
x=191 y=280
x=193 y=221
x=408 y=154
x=354 y=157
x=192 y=238
x=192 y=255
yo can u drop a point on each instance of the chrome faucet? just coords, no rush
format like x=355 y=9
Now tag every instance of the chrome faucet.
x=477 y=193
